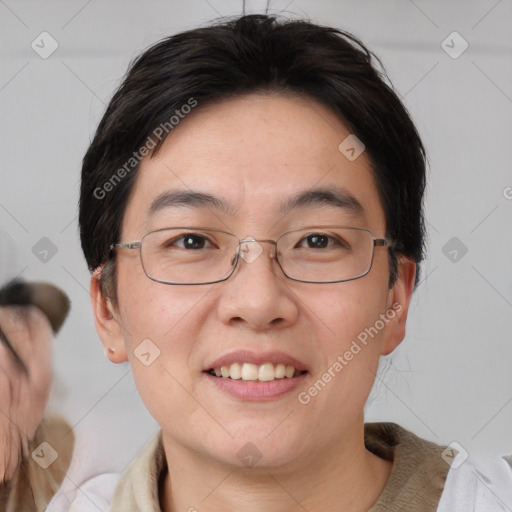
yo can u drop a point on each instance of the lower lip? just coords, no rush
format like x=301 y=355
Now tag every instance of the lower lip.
x=255 y=390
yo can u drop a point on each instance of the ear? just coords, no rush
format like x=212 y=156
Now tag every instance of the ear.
x=106 y=318
x=399 y=298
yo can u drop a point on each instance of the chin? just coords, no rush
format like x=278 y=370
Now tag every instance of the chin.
x=259 y=447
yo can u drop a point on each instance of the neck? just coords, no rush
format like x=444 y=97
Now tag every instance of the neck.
x=342 y=477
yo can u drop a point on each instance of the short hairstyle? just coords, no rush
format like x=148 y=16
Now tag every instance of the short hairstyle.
x=251 y=54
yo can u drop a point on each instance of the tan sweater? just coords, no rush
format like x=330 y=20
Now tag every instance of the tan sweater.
x=415 y=484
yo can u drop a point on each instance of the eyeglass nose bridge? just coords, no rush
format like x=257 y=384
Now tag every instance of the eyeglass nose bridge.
x=249 y=249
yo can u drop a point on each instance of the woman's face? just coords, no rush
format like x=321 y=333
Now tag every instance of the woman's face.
x=256 y=154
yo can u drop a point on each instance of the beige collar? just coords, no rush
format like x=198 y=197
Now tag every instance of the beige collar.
x=416 y=481
x=419 y=472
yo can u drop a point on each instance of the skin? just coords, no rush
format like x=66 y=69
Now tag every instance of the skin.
x=267 y=148
x=23 y=395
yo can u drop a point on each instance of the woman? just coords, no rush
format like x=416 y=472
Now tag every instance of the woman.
x=251 y=210
x=251 y=213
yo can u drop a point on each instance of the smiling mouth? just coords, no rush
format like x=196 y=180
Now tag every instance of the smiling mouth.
x=266 y=372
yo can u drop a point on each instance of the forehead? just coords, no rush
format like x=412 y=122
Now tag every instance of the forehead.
x=257 y=154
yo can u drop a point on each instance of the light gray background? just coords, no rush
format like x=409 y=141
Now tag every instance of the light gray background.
x=451 y=379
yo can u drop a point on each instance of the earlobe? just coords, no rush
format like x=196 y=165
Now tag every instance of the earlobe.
x=399 y=298
x=107 y=322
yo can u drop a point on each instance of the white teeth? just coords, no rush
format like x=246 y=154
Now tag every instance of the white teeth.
x=290 y=370
x=235 y=371
x=280 y=371
x=248 y=371
x=266 y=372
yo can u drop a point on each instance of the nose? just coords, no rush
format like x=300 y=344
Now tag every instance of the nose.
x=257 y=294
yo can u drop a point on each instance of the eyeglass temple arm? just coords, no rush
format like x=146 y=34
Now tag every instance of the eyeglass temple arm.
x=384 y=242
x=129 y=245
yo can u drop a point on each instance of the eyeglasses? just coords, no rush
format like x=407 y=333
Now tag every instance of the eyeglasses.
x=195 y=255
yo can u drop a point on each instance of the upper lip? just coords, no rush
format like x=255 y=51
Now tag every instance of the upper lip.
x=258 y=358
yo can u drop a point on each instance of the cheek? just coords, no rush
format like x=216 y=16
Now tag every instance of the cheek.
x=161 y=328
x=159 y=341
x=159 y=314
x=148 y=309
x=348 y=309
x=349 y=317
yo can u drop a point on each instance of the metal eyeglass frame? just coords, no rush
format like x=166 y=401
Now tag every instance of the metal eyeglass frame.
x=377 y=242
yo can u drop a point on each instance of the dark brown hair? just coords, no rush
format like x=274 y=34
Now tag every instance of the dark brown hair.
x=254 y=53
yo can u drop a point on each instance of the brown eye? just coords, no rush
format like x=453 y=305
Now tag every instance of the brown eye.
x=317 y=241
x=193 y=242
x=189 y=241
x=322 y=241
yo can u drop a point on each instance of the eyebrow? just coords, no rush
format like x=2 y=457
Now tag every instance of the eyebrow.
x=332 y=197
x=191 y=199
